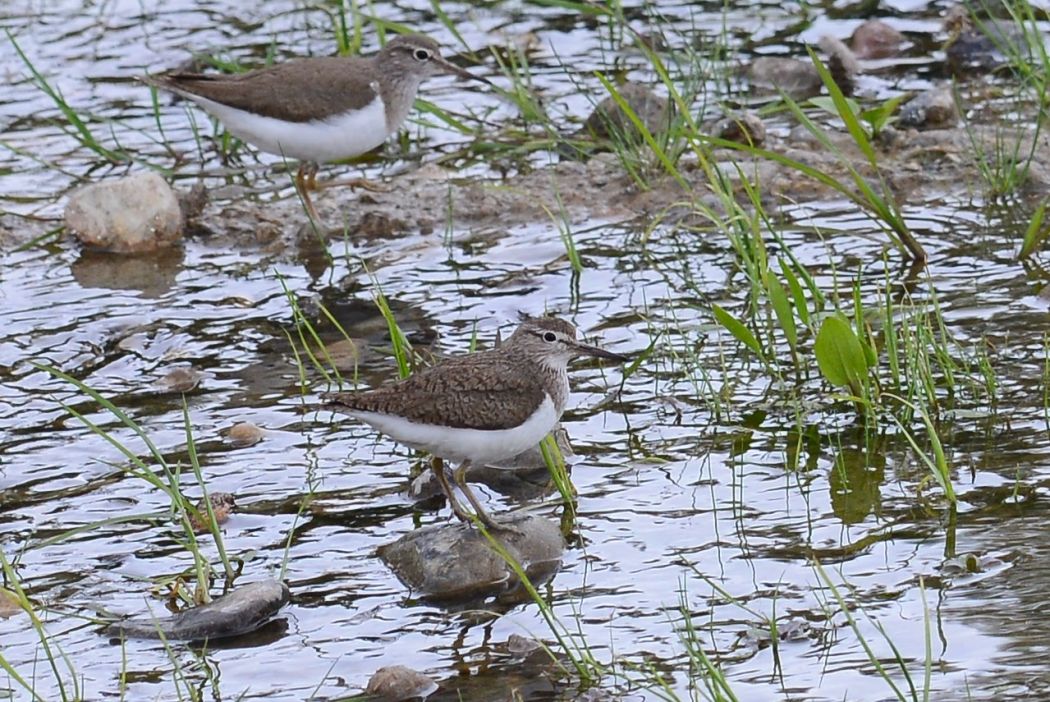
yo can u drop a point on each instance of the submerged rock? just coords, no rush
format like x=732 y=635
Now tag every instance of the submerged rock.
x=396 y=682
x=456 y=562
x=135 y=214
x=240 y=611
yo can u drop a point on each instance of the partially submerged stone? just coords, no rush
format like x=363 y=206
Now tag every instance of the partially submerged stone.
x=179 y=380
x=456 y=562
x=932 y=109
x=795 y=78
x=798 y=78
x=981 y=45
x=240 y=611
x=397 y=682
x=135 y=214
x=244 y=434
x=610 y=121
x=874 y=39
x=9 y=604
x=744 y=128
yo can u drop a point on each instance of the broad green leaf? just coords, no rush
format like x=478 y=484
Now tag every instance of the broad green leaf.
x=827 y=104
x=738 y=330
x=781 y=308
x=840 y=354
x=801 y=306
x=880 y=115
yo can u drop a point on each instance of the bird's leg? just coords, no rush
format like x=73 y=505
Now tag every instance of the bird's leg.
x=306 y=178
x=459 y=476
x=305 y=181
x=438 y=468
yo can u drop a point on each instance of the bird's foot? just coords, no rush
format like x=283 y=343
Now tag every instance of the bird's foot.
x=352 y=183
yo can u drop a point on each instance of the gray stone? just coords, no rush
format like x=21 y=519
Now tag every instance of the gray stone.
x=243 y=434
x=795 y=78
x=931 y=109
x=874 y=39
x=240 y=611
x=135 y=214
x=610 y=121
x=744 y=128
x=456 y=562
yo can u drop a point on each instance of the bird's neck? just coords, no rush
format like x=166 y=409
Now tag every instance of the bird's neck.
x=555 y=382
x=398 y=96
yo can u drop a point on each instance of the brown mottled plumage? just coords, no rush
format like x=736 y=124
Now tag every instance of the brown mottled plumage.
x=318 y=109
x=307 y=89
x=483 y=407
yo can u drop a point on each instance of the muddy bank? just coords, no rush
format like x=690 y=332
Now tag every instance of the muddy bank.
x=917 y=165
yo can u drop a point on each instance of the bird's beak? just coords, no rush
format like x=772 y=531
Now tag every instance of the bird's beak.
x=452 y=68
x=596 y=352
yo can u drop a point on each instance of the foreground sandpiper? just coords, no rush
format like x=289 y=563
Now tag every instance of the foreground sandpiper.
x=318 y=109
x=484 y=407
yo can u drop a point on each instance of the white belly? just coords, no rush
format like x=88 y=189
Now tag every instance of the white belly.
x=477 y=445
x=331 y=139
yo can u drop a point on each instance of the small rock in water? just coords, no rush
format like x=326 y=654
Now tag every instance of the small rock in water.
x=244 y=434
x=135 y=214
x=396 y=682
x=240 y=611
x=180 y=380
x=345 y=354
x=9 y=604
x=931 y=109
x=456 y=562
x=874 y=39
x=522 y=645
x=796 y=79
x=222 y=505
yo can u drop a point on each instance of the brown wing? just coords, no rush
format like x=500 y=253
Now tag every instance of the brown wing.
x=295 y=91
x=460 y=392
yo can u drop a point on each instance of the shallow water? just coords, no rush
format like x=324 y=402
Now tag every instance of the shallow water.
x=675 y=492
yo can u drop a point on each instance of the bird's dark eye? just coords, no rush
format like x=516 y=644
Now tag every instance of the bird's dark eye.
x=421 y=54
x=550 y=336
